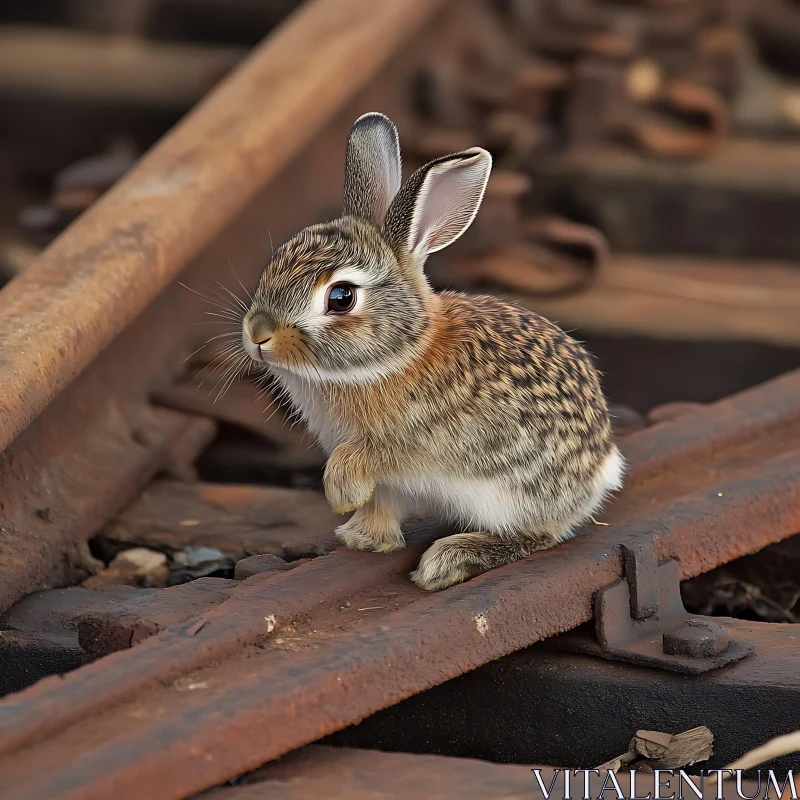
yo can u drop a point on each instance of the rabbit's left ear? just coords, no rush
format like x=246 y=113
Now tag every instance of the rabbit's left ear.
x=438 y=202
x=372 y=172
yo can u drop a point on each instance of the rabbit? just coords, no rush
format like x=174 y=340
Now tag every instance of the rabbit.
x=469 y=405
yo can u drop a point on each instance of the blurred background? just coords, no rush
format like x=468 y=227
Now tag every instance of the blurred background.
x=645 y=196
x=647 y=183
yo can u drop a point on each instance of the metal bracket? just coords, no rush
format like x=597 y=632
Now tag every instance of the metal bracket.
x=642 y=620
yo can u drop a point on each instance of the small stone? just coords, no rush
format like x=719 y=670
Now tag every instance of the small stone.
x=138 y=566
x=253 y=565
x=293 y=551
x=198 y=556
x=198 y=562
x=141 y=559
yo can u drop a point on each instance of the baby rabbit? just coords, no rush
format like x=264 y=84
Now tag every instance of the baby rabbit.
x=472 y=406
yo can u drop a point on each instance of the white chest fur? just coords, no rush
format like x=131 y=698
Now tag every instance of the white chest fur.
x=309 y=402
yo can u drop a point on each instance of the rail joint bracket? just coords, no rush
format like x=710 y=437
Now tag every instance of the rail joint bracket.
x=642 y=620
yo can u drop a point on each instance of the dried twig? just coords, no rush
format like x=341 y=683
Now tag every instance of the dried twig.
x=774 y=748
x=779 y=746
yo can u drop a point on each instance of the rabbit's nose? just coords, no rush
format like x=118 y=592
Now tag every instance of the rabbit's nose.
x=257 y=332
x=258 y=329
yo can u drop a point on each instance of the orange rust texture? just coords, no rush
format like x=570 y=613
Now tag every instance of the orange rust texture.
x=328 y=773
x=292 y=656
x=100 y=440
x=104 y=270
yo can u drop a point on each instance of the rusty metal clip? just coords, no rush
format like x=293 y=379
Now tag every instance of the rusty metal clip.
x=642 y=620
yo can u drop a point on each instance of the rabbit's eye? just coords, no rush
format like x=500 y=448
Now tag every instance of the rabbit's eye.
x=340 y=299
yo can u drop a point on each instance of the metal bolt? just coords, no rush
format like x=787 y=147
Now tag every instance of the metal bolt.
x=698 y=638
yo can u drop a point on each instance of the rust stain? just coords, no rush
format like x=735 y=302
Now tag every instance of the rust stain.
x=194 y=181
x=711 y=485
x=78 y=433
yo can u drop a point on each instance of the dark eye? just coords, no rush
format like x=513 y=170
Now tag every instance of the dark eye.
x=340 y=299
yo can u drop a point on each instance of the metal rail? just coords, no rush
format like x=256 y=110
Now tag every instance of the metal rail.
x=509 y=709
x=94 y=329
x=261 y=153
x=288 y=657
x=97 y=277
x=334 y=773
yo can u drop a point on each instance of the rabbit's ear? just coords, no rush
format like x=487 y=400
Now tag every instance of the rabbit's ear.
x=372 y=167
x=438 y=202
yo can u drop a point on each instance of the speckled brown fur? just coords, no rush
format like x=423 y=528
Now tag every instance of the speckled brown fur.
x=484 y=411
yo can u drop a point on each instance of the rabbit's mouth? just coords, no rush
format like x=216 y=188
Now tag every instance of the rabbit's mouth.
x=253 y=349
x=284 y=347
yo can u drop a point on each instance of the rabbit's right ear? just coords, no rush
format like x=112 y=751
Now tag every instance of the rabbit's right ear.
x=372 y=172
x=437 y=203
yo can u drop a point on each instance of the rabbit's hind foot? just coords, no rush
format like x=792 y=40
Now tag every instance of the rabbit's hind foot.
x=458 y=558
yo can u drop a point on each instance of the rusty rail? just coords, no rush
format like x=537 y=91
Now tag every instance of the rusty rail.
x=94 y=330
x=367 y=774
x=89 y=331
x=288 y=657
x=97 y=277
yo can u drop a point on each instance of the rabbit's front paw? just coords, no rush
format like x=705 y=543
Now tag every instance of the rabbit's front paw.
x=370 y=529
x=347 y=485
x=347 y=496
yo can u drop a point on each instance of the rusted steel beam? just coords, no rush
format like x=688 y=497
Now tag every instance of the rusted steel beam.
x=740 y=202
x=74 y=469
x=57 y=631
x=236 y=519
x=326 y=772
x=510 y=708
x=344 y=774
x=671 y=297
x=112 y=262
x=298 y=654
x=268 y=135
x=121 y=70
